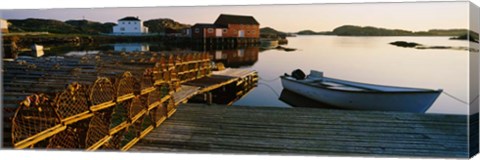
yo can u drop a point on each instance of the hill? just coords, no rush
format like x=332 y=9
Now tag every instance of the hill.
x=269 y=30
x=41 y=25
x=351 y=30
x=85 y=26
x=310 y=32
x=162 y=25
x=90 y=27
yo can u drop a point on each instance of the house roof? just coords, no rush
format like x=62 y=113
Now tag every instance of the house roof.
x=225 y=19
x=207 y=25
x=129 y=19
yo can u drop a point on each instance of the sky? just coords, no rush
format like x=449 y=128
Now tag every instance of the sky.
x=418 y=16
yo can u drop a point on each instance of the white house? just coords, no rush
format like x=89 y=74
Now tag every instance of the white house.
x=130 y=26
x=3 y=26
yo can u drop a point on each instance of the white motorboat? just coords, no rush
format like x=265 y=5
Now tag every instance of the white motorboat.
x=359 y=96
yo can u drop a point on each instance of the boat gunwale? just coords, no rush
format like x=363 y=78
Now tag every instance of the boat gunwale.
x=420 y=90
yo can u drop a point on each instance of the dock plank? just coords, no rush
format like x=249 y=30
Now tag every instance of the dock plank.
x=184 y=93
x=233 y=72
x=267 y=130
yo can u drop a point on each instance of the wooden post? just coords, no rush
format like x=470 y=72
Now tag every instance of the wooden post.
x=209 y=98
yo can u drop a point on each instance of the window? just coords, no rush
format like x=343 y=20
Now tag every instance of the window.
x=197 y=30
x=134 y=22
x=224 y=30
x=123 y=22
x=135 y=28
x=210 y=30
x=128 y=22
x=122 y=29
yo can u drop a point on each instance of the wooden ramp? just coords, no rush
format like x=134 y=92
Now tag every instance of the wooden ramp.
x=221 y=78
x=184 y=93
x=269 y=130
x=206 y=84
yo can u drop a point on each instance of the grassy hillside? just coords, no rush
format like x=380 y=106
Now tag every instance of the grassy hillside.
x=41 y=25
x=268 y=32
x=164 y=25
x=85 y=26
x=90 y=27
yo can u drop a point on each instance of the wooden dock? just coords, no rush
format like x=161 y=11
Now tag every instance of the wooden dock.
x=218 y=79
x=270 y=130
x=115 y=111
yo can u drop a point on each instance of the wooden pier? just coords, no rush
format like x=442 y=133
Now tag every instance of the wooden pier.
x=244 y=79
x=107 y=101
x=270 y=130
x=138 y=102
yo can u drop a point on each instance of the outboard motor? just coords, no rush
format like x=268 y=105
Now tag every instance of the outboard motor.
x=298 y=74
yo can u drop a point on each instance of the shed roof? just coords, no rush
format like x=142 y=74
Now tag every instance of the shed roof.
x=130 y=19
x=225 y=19
x=207 y=25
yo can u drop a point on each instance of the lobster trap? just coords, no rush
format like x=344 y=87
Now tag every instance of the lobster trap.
x=35 y=120
x=72 y=104
x=130 y=97
x=101 y=94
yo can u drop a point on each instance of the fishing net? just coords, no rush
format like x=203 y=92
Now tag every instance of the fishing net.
x=158 y=72
x=167 y=76
x=98 y=128
x=114 y=142
x=146 y=124
x=101 y=91
x=170 y=105
x=125 y=85
x=174 y=81
x=34 y=115
x=154 y=98
x=159 y=114
x=171 y=61
x=70 y=138
x=120 y=113
x=132 y=132
x=146 y=80
x=72 y=102
x=136 y=108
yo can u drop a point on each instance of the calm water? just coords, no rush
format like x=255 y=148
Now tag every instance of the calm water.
x=369 y=60
x=361 y=59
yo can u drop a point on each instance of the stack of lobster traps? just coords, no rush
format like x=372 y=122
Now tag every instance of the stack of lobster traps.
x=102 y=101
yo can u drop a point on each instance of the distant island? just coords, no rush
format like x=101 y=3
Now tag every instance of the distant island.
x=351 y=30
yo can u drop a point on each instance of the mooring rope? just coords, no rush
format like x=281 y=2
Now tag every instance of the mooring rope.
x=268 y=80
x=458 y=99
x=271 y=88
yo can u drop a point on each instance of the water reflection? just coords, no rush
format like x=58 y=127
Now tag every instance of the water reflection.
x=297 y=100
x=80 y=53
x=228 y=94
x=235 y=58
x=131 y=47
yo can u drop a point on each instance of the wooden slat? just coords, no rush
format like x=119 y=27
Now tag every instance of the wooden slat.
x=237 y=129
x=184 y=93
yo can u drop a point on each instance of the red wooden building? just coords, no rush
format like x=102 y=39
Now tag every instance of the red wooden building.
x=228 y=26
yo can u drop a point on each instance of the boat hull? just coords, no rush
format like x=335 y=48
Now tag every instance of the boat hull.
x=360 y=100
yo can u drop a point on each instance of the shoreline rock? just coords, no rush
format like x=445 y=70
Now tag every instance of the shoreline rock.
x=405 y=44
